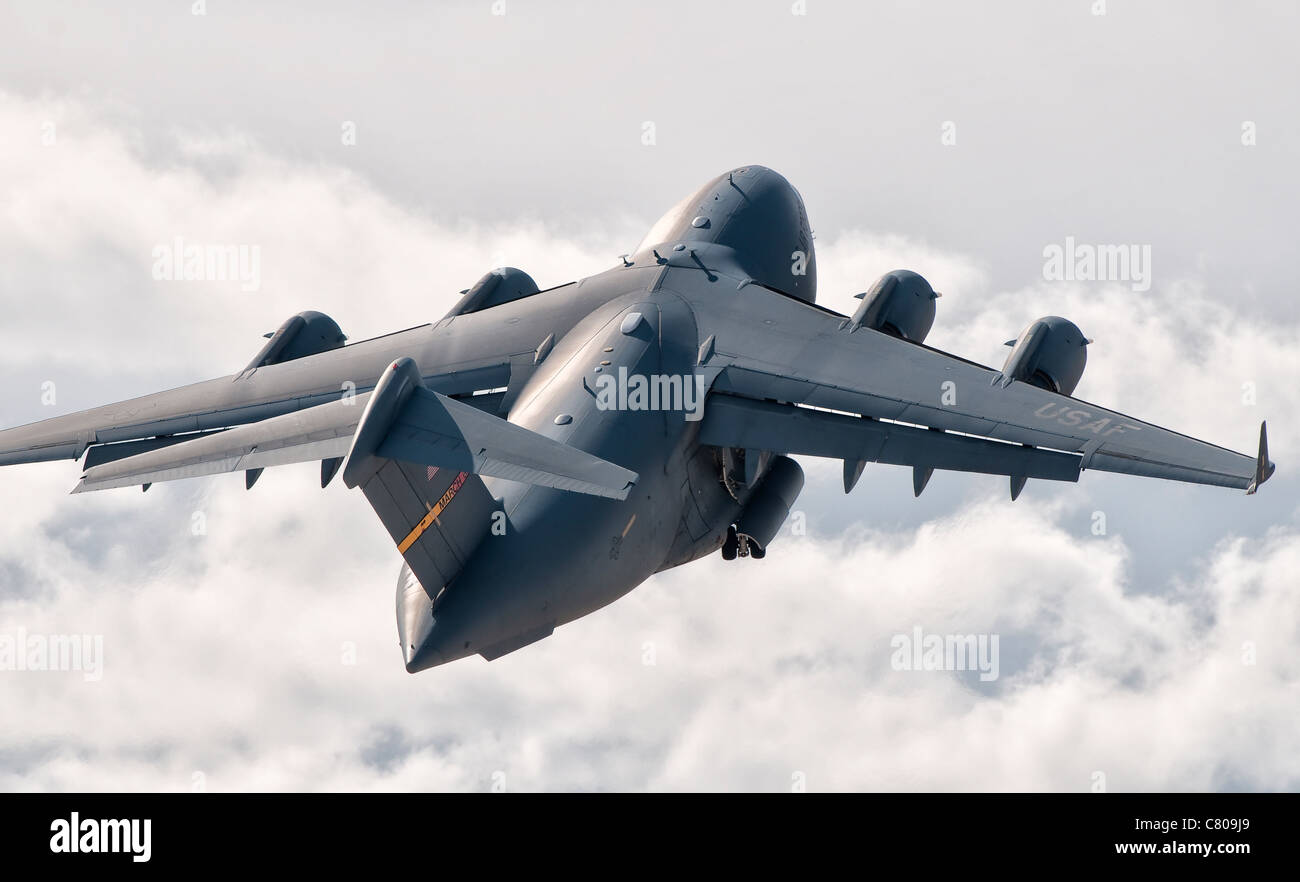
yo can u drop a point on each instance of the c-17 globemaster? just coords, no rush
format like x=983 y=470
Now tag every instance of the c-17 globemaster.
x=536 y=454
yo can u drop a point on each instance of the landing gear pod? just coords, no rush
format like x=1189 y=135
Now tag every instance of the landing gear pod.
x=768 y=507
x=900 y=304
x=306 y=333
x=1051 y=354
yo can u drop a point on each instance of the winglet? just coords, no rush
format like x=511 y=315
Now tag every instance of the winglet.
x=1263 y=468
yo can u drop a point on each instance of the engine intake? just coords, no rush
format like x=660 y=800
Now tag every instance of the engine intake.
x=900 y=303
x=1051 y=353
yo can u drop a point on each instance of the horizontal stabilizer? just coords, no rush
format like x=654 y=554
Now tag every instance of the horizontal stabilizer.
x=437 y=430
x=408 y=422
x=400 y=420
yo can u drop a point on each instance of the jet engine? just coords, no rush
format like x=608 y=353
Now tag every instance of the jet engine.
x=500 y=286
x=900 y=303
x=306 y=333
x=1051 y=353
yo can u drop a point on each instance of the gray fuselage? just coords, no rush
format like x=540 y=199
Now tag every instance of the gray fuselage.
x=563 y=555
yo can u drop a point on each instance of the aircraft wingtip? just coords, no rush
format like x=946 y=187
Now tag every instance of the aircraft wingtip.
x=1264 y=467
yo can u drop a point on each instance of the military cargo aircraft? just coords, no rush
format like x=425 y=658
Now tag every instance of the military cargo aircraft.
x=537 y=454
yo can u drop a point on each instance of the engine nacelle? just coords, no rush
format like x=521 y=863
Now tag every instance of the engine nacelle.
x=900 y=303
x=306 y=333
x=500 y=286
x=1051 y=353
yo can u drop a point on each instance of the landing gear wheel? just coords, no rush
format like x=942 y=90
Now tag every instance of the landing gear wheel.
x=730 y=545
x=756 y=551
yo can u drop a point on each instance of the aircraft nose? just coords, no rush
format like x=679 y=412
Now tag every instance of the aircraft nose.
x=756 y=213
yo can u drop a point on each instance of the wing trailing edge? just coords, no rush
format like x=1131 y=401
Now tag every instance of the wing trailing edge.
x=731 y=421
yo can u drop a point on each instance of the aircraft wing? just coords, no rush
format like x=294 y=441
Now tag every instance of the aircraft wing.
x=459 y=355
x=779 y=358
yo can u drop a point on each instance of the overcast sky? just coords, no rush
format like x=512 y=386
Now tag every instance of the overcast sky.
x=958 y=140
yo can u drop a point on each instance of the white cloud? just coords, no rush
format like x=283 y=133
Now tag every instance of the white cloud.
x=225 y=652
x=83 y=215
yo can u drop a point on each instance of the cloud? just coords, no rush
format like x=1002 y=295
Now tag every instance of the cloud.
x=86 y=212
x=260 y=651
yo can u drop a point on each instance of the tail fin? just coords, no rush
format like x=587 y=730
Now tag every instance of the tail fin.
x=436 y=516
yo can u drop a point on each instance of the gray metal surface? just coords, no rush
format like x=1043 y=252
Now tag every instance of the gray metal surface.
x=491 y=417
x=784 y=428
